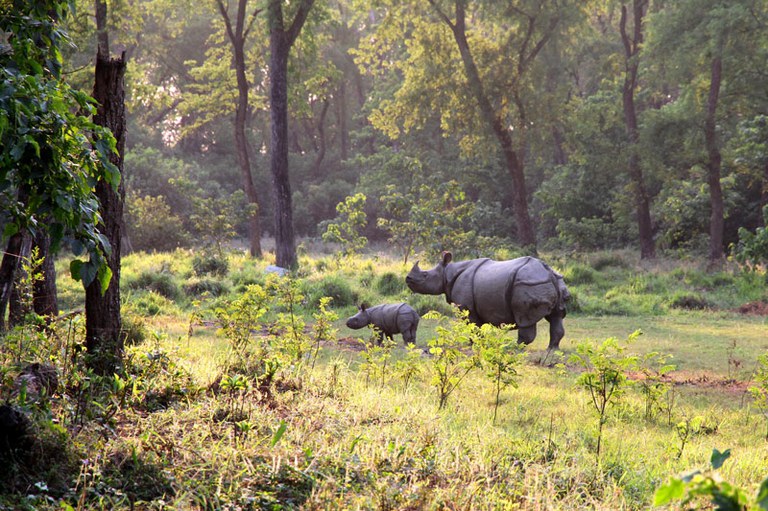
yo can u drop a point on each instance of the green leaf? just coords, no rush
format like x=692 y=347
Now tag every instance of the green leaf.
x=718 y=458
x=74 y=268
x=762 y=495
x=666 y=493
x=104 y=276
x=278 y=433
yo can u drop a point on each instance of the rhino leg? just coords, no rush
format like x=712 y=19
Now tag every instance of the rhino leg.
x=409 y=334
x=556 y=329
x=526 y=334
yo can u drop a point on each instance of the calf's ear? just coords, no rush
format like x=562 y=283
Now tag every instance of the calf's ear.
x=447 y=257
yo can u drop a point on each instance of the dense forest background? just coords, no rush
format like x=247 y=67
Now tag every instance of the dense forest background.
x=551 y=124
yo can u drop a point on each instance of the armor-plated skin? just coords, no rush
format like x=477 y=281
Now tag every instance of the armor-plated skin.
x=389 y=319
x=520 y=291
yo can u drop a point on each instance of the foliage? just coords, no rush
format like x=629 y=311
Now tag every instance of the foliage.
x=653 y=368
x=51 y=153
x=605 y=375
x=347 y=226
x=209 y=263
x=759 y=389
x=752 y=248
x=152 y=226
x=428 y=216
x=450 y=363
x=500 y=357
x=709 y=485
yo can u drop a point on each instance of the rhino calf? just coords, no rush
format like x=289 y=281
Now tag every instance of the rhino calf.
x=389 y=319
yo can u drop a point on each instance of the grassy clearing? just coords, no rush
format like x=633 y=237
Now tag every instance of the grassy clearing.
x=350 y=433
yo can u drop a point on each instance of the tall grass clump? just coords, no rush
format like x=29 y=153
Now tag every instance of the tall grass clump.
x=161 y=282
x=333 y=286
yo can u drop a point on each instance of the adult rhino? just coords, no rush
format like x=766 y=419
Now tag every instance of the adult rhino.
x=520 y=291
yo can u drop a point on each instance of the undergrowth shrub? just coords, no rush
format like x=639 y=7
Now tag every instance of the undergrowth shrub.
x=209 y=263
x=425 y=303
x=157 y=379
x=197 y=286
x=161 y=282
x=150 y=303
x=390 y=283
x=579 y=274
x=332 y=286
x=607 y=260
x=688 y=300
x=134 y=329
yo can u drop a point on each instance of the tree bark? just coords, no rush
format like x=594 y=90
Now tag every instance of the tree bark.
x=631 y=56
x=515 y=167
x=19 y=305
x=280 y=41
x=8 y=269
x=103 y=323
x=717 y=214
x=237 y=37
x=44 y=292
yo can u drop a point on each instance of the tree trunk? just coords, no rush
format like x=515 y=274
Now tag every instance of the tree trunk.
x=717 y=215
x=525 y=233
x=8 y=269
x=631 y=55
x=19 y=305
x=280 y=42
x=320 y=139
x=44 y=293
x=237 y=36
x=103 y=323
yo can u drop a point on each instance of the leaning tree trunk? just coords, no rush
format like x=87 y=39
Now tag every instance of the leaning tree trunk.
x=631 y=54
x=717 y=214
x=512 y=162
x=103 y=323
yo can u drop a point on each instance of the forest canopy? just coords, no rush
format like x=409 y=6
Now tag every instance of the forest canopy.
x=577 y=125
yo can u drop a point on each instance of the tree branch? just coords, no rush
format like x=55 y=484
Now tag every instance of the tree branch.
x=298 y=21
x=441 y=14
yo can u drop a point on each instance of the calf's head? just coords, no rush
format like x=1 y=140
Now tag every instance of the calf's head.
x=359 y=320
x=428 y=282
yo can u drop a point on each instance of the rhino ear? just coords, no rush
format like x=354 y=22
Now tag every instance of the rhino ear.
x=362 y=307
x=447 y=257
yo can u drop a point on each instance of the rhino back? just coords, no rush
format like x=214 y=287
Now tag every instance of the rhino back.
x=385 y=317
x=489 y=290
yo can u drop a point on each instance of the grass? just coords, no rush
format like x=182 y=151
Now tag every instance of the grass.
x=351 y=444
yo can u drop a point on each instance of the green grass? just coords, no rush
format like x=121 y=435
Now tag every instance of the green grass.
x=349 y=443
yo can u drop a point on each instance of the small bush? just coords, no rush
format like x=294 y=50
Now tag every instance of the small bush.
x=426 y=303
x=579 y=275
x=332 y=286
x=162 y=283
x=209 y=264
x=390 y=284
x=604 y=261
x=134 y=329
x=197 y=287
x=151 y=304
x=688 y=300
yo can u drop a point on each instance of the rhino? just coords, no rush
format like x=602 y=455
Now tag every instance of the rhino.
x=517 y=292
x=389 y=319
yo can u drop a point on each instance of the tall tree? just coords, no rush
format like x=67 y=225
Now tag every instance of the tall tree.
x=48 y=158
x=237 y=36
x=281 y=38
x=709 y=47
x=632 y=42
x=528 y=50
x=103 y=323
